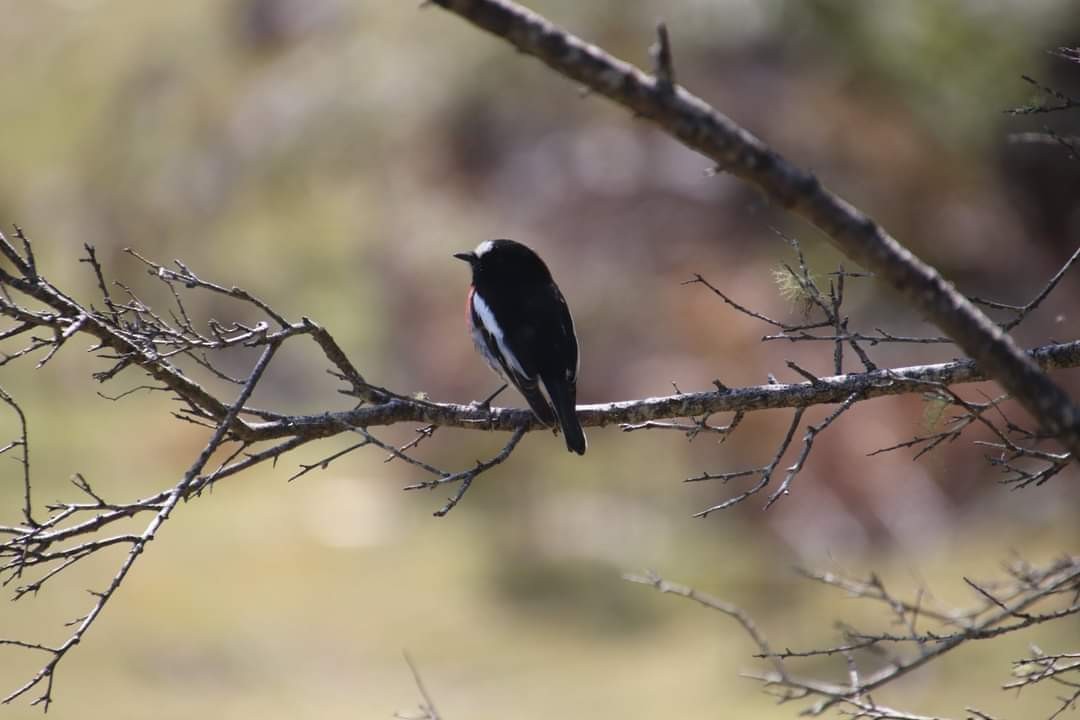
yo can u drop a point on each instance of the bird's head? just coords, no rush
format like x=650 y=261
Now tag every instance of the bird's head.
x=505 y=262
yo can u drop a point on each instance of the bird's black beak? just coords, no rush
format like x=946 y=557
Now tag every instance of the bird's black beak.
x=466 y=256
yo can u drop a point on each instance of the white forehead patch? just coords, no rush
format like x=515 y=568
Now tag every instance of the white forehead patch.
x=483 y=248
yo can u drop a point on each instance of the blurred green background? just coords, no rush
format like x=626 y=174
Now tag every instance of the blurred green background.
x=329 y=156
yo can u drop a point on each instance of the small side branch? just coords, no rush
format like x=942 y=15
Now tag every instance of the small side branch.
x=765 y=472
x=663 y=66
x=23 y=443
x=465 y=477
x=1021 y=312
x=812 y=431
x=733 y=611
x=427 y=709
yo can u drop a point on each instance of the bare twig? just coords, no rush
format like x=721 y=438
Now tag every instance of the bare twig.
x=738 y=614
x=47 y=673
x=427 y=709
x=812 y=431
x=663 y=66
x=765 y=472
x=1061 y=100
x=23 y=442
x=466 y=477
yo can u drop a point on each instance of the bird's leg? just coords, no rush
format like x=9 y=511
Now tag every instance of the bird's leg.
x=486 y=404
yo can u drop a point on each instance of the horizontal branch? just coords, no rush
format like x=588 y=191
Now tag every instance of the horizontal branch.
x=826 y=390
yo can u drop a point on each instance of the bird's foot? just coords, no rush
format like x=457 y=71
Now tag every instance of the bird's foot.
x=487 y=401
x=485 y=404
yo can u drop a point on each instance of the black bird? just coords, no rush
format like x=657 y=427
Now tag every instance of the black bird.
x=522 y=326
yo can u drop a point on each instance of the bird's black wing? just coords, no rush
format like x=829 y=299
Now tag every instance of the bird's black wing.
x=559 y=373
x=516 y=363
x=544 y=335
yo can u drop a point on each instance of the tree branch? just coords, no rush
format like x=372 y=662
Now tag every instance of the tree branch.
x=827 y=390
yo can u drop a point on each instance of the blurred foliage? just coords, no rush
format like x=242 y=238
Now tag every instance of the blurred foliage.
x=329 y=156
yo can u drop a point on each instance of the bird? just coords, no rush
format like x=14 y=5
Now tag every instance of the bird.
x=521 y=325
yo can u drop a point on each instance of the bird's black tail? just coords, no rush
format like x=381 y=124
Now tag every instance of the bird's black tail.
x=563 y=396
x=530 y=390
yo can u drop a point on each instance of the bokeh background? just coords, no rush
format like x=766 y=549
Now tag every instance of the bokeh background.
x=329 y=156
